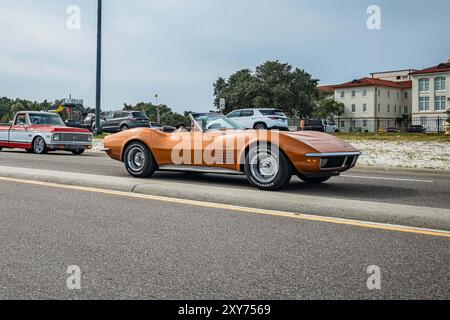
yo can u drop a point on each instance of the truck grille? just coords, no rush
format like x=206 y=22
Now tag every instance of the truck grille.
x=74 y=137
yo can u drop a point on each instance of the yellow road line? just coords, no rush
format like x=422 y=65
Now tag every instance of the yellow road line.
x=292 y=215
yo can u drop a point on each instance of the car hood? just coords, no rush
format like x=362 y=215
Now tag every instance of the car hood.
x=60 y=129
x=322 y=142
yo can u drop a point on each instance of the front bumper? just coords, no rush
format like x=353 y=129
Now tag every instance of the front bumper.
x=336 y=161
x=69 y=147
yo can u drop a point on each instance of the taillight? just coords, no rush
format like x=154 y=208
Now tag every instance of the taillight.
x=275 y=118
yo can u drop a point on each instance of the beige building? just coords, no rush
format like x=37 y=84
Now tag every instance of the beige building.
x=430 y=93
x=381 y=101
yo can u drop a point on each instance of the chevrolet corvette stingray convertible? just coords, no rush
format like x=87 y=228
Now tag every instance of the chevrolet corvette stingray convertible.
x=217 y=144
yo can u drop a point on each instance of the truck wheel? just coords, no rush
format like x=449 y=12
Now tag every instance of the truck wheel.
x=139 y=160
x=314 y=180
x=78 y=152
x=267 y=168
x=39 y=146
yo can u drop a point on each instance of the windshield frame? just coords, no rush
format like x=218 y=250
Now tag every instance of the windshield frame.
x=198 y=126
x=48 y=115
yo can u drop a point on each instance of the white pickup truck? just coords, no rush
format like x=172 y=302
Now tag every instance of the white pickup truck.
x=40 y=132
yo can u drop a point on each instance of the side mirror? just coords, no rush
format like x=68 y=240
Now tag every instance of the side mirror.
x=10 y=123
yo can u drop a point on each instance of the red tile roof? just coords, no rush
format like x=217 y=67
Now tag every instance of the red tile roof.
x=370 y=82
x=326 y=88
x=443 y=67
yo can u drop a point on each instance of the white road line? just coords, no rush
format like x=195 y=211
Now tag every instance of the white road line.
x=391 y=179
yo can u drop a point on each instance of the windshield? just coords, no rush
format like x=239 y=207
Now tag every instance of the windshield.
x=139 y=114
x=211 y=121
x=46 y=119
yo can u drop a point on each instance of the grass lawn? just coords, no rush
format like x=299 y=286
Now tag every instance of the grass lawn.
x=394 y=137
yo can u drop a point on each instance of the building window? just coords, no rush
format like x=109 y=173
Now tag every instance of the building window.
x=342 y=94
x=353 y=93
x=365 y=123
x=379 y=107
x=353 y=123
x=440 y=103
x=365 y=93
x=395 y=109
x=406 y=109
x=353 y=108
x=365 y=107
x=424 y=85
x=439 y=84
x=389 y=94
x=424 y=103
x=389 y=108
x=398 y=96
x=405 y=95
x=379 y=92
x=342 y=124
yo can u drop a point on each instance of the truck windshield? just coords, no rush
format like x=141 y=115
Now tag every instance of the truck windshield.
x=46 y=119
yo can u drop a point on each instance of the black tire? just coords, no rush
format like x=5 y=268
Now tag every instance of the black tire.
x=1 y=149
x=78 y=152
x=278 y=169
x=124 y=128
x=314 y=180
x=139 y=160
x=39 y=145
x=260 y=126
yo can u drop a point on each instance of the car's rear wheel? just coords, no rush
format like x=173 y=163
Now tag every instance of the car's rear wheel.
x=78 y=152
x=139 y=160
x=124 y=128
x=314 y=180
x=260 y=126
x=39 y=146
x=267 y=168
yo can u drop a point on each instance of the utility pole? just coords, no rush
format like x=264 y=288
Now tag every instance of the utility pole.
x=158 y=116
x=98 y=110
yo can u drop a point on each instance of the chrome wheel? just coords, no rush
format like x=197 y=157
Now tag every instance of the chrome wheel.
x=136 y=158
x=39 y=145
x=264 y=167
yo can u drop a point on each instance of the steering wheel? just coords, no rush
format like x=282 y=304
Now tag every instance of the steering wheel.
x=215 y=126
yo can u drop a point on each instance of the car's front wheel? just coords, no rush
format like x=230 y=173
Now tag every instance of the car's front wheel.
x=39 y=146
x=314 y=180
x=124 y=128
x=267 y=168
x=139 y=160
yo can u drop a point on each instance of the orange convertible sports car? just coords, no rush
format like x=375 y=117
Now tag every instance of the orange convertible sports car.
x=216 y=144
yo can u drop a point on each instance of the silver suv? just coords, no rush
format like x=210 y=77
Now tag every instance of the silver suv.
x=260 y=119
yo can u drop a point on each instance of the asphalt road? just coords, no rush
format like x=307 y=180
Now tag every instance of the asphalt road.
x=143 y=249
x=398 y=187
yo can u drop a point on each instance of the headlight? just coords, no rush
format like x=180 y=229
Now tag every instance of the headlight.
x=89 y=139
x=56 y=137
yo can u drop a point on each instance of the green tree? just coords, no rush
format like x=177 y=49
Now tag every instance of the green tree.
x=326 y=106
x=272 y=85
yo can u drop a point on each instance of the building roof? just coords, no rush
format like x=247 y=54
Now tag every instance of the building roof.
x=370 y=82
x=326 y=88
x=443 y=67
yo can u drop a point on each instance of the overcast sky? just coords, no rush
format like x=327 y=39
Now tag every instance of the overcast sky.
x=178 y=48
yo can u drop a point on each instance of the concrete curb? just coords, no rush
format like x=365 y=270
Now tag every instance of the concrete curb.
x=433 y=218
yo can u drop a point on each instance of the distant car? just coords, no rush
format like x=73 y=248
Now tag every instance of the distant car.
x=117 y=121
x=260 y=119
x=391 y=130
x=88 y=122
x=416 y=129
x=321 y=125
